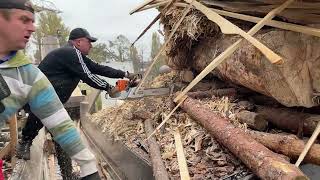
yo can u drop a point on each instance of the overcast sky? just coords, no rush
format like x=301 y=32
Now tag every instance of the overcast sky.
x=108 y=18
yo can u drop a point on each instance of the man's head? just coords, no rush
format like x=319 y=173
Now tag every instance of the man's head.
x=82 y=40
x=16 y=21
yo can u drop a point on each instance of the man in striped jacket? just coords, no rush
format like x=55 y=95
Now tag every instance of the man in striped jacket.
x=65 y=67
x=22 y=83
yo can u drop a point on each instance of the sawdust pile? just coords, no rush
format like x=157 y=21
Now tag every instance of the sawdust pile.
x=206 y=158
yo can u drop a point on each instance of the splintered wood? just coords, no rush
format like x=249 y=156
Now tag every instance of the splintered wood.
x=206 y=158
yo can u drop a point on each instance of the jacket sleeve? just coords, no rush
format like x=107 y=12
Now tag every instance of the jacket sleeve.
x=103 y=70
x=45 y=104
x=76 y=65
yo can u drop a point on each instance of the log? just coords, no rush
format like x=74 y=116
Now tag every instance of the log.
x=288 y=145
x=263 y=162
x=231 y=49
x=253 y=120
x=212 y=92
x=290 y=120
x=159 y=169
x=186 y=76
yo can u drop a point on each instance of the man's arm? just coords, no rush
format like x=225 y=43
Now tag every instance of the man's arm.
x=103 y=70
x=45 y=104
x=75 y=63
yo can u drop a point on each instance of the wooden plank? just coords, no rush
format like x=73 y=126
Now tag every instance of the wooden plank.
x=156 y=58
x=147 y=28
x=167 y=117
x=156 y=18
x=308 y=145
x=159 y=4
x=272 y=23
x=308 y=14
x=141 y=6
x=183 y=167
x=13 y=138
x=228 y=28
x=218 y=60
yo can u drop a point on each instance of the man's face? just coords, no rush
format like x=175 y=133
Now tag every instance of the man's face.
x=16 y=31
x=84 y=45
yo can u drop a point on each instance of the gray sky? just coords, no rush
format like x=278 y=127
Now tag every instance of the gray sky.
x=106 y=19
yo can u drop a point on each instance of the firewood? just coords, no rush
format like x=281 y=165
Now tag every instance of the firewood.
x=159 y=169
x=286 y=119
x=212 y=92
x=288 y=145
x=254 y=120
x=219 y=59
x=263 y=162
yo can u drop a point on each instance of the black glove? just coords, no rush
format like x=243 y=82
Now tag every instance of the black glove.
x=94 y=176
x=133 y=76
x=112 y=91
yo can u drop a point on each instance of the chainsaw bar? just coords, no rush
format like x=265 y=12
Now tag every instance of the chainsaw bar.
x=132 y=94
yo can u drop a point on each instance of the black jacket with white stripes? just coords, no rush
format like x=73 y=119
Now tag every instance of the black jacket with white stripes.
x=65 y=66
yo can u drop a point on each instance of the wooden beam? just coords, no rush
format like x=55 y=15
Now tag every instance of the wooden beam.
x=13 y=138
x=272 y=23
x=159 y=4
x=183 y=167
x=308 y=145
x=141 y=6
x=218 y=60
x=228 y=28
x=156 y=58
x=147 y=28
x=167 y=117
x=156 y=18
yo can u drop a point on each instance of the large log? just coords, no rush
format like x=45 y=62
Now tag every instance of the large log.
x=159 y=169
x=290 y=120
x=263 y=162
x=288 y=145
x=292 y=84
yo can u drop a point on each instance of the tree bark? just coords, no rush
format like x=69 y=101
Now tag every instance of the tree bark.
x=288 y=145
x=159 y=170
x=265 y=163
x=213 y=92
x=254 y=120
x=290 y=120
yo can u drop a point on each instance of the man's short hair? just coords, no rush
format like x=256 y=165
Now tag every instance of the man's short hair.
x=5 y=13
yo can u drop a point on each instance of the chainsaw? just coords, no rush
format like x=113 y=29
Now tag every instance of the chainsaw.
x=128 y=90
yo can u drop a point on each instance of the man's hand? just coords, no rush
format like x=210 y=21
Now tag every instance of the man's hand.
x=113 y=92
x=133 y=76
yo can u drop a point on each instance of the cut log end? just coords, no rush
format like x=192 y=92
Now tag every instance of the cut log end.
x=254 y=120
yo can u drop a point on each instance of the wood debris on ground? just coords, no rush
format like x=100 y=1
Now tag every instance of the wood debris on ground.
x=205 y=157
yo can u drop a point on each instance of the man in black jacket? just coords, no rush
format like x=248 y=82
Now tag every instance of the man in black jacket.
x=65 y=67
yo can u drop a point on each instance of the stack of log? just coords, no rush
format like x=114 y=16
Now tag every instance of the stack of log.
x=232 y=127
x=291 y=35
